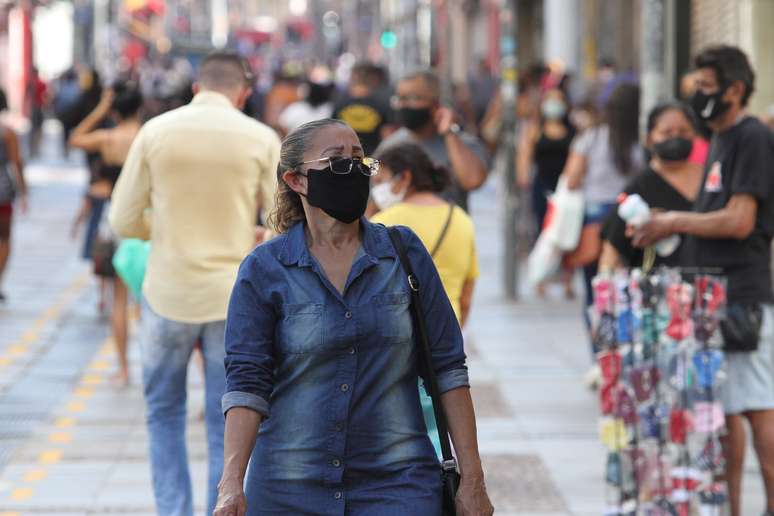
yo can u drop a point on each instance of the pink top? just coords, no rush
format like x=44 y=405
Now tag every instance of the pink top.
x=700 y=151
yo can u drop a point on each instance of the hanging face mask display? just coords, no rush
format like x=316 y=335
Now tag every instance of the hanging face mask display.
x=709 y=107
x=385 y=197
x=342 y=196
x=661 y=363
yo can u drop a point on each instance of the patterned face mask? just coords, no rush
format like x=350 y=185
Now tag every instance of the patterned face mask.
x=707 y=363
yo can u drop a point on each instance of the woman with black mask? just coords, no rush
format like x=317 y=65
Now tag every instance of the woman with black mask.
x=670 y=181
x=319 y=334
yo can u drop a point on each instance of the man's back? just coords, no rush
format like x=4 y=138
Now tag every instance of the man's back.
x=200 y=169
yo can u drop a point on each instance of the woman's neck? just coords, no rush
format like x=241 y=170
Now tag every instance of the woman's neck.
x=671 y=168
x=423 y=198
x=685 y=177
x=325 y=231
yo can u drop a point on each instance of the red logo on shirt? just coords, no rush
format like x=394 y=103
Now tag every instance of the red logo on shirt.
x=714 y=182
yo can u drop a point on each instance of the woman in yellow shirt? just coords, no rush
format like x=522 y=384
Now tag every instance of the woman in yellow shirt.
x=406 y=190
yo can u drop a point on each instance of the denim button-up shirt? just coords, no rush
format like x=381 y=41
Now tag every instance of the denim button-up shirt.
x=335 y=376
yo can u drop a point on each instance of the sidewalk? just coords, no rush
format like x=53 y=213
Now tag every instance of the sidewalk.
x=70 y=443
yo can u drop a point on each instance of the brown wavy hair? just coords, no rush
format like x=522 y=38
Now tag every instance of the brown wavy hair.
x=288 y=210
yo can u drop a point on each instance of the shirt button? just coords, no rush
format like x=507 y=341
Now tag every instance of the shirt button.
x=337 y=496
x=348 y=315
x=339 y=427
x=344 y=387
x=351 y=351
x=336 y=463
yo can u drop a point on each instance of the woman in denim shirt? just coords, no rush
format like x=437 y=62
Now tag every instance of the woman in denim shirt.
x=320 y=355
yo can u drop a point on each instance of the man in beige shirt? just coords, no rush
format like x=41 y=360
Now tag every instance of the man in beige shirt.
x=201 y=172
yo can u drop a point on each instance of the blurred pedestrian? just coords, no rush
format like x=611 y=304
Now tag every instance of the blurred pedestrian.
x=669 y=182
x=431 y=125
x=527 y=105
x=37 y=94
x=122 y=103
x=320 y=335
x=482 y=86
x=283 y=92
x=364 y=109
x=205 y=154
x=66 y=97
x=544 y=146
x=315 y=103
x=13 y=188
x=601 y=161
x=731 y=229
x=91 y=94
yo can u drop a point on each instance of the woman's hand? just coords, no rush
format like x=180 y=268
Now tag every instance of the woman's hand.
x=659 y=226
x=472 y=499
x=231 y=499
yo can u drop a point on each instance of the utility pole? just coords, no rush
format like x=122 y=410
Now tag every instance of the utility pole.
x=653 y=56
x=507 y=143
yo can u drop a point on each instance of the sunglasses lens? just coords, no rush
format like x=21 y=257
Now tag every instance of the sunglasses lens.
x=341 y=165
x=370 y=166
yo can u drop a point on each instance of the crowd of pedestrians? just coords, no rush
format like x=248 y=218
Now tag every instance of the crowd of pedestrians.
x=276 y=258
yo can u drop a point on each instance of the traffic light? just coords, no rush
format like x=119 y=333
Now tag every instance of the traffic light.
x=389 y=39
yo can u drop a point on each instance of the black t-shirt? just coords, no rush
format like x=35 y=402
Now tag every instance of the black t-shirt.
x=366 y=115
x=741 y=161
x=658 y=193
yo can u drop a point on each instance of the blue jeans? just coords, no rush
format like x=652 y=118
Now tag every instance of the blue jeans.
x=166 y=349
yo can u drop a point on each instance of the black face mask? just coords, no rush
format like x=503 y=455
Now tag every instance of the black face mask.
x=673 y=149
x=709 y=107
x=342 y=196
x=413 y=118
x=318 y=94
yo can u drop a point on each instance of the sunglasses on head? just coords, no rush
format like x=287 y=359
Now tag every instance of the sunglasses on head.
x=342 y=166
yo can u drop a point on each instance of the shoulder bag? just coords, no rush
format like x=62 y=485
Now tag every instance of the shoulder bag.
x=449 y=474
x=443 y=231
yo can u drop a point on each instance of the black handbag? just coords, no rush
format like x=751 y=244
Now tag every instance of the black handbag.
x=450 y=476
x=741 y=327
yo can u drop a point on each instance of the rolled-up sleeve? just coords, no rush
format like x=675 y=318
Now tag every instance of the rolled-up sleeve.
x=444 y=333
x=249 y=343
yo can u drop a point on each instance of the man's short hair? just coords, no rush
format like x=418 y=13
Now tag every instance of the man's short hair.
x=431 y=80
x=730 y=64
x=224 y=70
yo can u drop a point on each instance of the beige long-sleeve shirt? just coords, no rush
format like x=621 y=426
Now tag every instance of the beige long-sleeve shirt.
x=202 y=169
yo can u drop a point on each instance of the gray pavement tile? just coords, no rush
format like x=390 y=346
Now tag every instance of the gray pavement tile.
x=521 y=483
x=489 y=401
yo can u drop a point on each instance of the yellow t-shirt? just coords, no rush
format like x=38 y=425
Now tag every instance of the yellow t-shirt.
x=456 y=258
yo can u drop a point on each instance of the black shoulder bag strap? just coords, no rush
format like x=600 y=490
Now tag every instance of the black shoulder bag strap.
x=443 y=231
x=449 y=462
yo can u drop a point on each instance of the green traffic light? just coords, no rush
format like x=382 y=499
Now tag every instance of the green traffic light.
x=389 y=39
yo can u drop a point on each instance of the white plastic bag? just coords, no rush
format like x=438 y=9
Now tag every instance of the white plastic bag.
x=564 y=219
x=543 y=261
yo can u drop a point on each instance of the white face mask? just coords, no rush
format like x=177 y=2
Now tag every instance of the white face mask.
x=384 y=197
